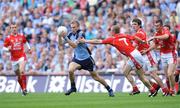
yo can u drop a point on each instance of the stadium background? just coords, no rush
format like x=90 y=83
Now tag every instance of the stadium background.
x=39 y=19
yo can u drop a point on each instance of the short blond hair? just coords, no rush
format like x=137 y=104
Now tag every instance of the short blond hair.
x=75 y=22
x=116 y=29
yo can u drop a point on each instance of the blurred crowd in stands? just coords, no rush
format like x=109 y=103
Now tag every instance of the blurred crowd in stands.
x=39 y=19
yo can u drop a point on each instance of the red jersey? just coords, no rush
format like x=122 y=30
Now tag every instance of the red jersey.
x=121 y=42
x=17 y=46
x=142 y=35
x=173 y=40
x=166 y=45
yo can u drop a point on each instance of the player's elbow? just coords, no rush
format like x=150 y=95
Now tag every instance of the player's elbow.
x=74 y=45
x=5 y=49
x=166 y=36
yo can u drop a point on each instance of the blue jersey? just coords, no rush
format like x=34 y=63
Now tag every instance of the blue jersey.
x=81 y=52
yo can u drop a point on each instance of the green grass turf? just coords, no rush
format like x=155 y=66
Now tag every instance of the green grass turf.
x=86 y=100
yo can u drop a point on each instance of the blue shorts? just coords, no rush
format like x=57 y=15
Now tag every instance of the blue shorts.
x=87 y=64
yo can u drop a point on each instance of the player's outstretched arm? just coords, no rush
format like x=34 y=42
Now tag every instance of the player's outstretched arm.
x=149 y=49
x=7 y=49
x=60 y=36
x=139 y=39
x=71 y=43
x=64 y=36
x=165 y=36
x=29 y=48
x=60 y=41
x=94 y=41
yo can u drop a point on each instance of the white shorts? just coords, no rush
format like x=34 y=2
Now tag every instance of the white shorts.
x=150 y=61
x=136 y=60
x=15 y=64
x=168 y=58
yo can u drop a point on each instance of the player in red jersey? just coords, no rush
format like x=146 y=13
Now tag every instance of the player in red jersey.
x=175 y=42
x=164 y=40
x=149 y=57
x=123 y=43
x=14 y=43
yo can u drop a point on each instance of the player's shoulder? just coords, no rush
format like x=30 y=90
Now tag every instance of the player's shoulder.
x=21 y=34
x=69 y=34
x=141 y=32
x=8 y=37
x=80 y=31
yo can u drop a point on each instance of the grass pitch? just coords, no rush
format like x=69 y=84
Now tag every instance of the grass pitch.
x=86 y=100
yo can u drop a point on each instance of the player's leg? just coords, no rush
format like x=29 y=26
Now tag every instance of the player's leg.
x=170 y=74
x=151 y=63
x=18 y=72
x=165 y=68
x=176 y=80
x=137 y=61
x=98 y=78
x=140 y=72
x=126 y=72
x=159 y=84
x=89 y=65
x=22 y=65
x=72 y=67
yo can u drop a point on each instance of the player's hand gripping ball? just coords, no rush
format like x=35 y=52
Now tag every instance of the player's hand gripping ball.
x=62 y=31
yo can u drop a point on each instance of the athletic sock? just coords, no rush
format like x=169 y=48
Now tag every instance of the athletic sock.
x=165 y=90
x=177 y=76
x=167 y=82
x=23 y=77
x=20 y=82
x=73 y=85
x=107 y=87
x=176 y=86
x=135 y=88
x=155 y=85
x=152 y=90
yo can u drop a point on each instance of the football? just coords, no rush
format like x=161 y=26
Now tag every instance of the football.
x=61 y=29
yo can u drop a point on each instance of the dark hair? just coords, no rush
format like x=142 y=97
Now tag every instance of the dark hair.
x=116 y=29
x=13 y=23
x=168 y=26
x=138 y=21
x=159 y=21
x=75 y=22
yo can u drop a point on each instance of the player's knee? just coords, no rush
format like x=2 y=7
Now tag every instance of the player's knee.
x=152 y=75
x=17 y=72
x=95 y=77
x=126 y=74
x=142 y=78
x=169 y=74
x=71 y=71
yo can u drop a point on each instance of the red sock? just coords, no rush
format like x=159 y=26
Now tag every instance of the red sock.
x=23 y=77
x=167 y=82
x=135 y=88
x=176 y=86
x=155 y=86
x=171 y=91
x=20 y=82
x=152 y=90
x=165 y=90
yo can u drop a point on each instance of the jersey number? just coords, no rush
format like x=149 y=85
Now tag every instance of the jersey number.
x=124 y=40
